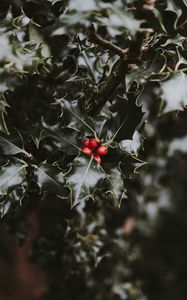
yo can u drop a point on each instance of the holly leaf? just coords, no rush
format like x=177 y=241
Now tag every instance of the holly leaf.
x=8 y=148
x=53 y=1
x=16 y=196
x=65 y=139
x=49 y=179
x=18 y=53
x=12 y=174
x=141 y=74
x=174 y=92
x=126 y=117
x=75 y=117
x=68 y=141
x=130 y=165
x=3 y=112
x=119 y=17
x=83 y=179
x=178 y=40
x=171 y=6
x=113 y=184
x=133 y=145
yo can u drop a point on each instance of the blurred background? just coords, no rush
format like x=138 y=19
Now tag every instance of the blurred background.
x=96 y=251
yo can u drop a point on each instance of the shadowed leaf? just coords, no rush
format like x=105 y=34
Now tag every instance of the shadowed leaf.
x=83 y=179
x=12 y=175
x=49 y=178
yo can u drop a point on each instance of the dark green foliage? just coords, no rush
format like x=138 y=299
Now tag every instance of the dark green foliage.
x=116 y=71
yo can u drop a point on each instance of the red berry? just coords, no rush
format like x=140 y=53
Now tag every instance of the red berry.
x=102 y=150
x=87 y=151
x=98 y=159
x=93 y=143
x=86 y=143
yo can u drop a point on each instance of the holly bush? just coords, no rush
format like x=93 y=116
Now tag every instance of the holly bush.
x=93 y=143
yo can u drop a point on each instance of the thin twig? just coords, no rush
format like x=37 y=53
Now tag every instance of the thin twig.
x=96 y=39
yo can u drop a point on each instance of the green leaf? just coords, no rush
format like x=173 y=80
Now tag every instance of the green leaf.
x=141 y=74
x=178 y=40
x=171 y=6
x=126 y=117
x=132 y=146
x=113 y=184
x=119 y=17
x=75 y=117
x=12 y=175
x=49 y=179
x=18 y=54
x=15 y=196
x=83 y=178
x=174 y=92
x=68 y=141
x=130 y=165
x=8 y=148
x=74 y=114
x=65 y=139
x=36 y=37
x=3 y=112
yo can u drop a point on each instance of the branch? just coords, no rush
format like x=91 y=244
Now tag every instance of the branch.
x=93 y=37
x=108 y=89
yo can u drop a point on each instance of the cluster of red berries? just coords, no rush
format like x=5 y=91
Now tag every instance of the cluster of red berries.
x=93 y=147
